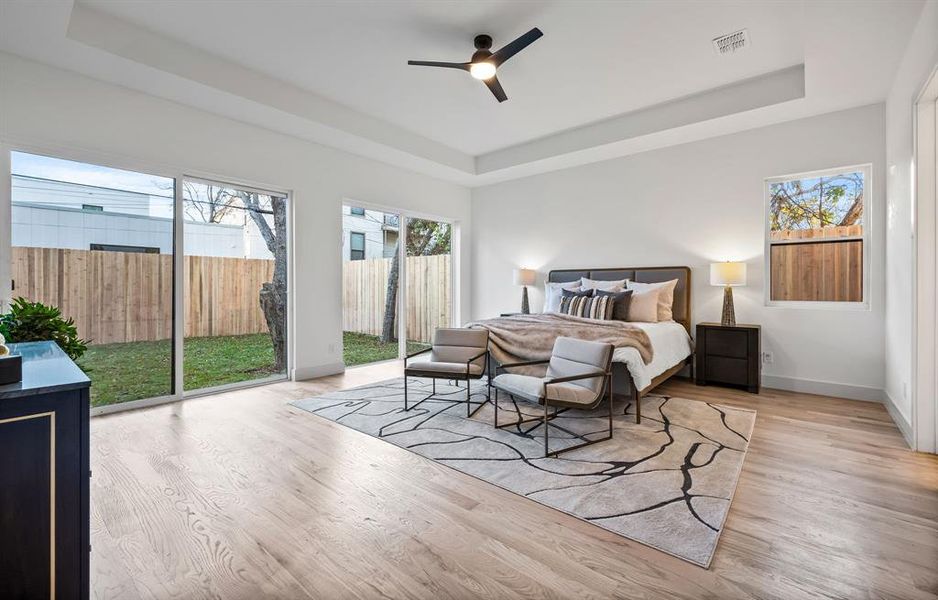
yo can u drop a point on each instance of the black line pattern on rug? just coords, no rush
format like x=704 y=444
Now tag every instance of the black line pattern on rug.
x=582 y=473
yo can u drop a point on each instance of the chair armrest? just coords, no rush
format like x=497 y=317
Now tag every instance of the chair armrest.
x=524 y=364
x=417 y=353
x=577 y=377
x=474 y=358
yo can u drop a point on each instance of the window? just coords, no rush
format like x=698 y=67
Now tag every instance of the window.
x=356 y=246
x=816 y=237
x=359 y=212
x=122 y=248
x=179 y=285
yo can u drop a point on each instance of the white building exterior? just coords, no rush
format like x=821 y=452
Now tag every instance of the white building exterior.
x=53 y=214
x=379 y=230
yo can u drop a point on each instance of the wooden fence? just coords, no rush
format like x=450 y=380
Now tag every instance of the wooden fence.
x=364 y=291
x=827 y=271
x=127 y=296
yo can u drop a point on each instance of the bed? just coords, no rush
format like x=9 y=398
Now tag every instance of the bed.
x=671 y=341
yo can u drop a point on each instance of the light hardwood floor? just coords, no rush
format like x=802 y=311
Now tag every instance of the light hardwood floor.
x=242 y=496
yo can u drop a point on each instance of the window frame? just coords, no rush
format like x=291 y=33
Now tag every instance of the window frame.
x=351 y=249
x=177 y=172
x=867 y=220
x=455 y=274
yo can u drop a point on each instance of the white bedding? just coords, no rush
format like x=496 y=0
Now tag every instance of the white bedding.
x=671 y=345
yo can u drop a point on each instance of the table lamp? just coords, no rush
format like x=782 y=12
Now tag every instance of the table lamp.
x=524 y=278
x=728 y=274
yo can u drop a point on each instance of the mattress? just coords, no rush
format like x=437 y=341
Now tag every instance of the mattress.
x=671 y=344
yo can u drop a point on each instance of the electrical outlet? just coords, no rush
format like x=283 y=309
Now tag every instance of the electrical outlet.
x=905 y=390
x=768 y=358
x=331 y=348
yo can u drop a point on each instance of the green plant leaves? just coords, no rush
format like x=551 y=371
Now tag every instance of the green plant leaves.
x=36 y=322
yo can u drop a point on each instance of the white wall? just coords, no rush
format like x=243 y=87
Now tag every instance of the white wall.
x=692 y=205
x=99 y=122
x=920 y=59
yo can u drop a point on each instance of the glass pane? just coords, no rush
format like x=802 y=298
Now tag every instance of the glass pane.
x=429 y=281
x=97 y=244
x=370 y=274
x=817 y=207
x=236 y=285
x=812 y=216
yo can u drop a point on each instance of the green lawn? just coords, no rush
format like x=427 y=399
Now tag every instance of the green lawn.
x=361 y=348
x=135 y=370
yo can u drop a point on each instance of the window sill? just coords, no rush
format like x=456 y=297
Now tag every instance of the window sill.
x=818 y=305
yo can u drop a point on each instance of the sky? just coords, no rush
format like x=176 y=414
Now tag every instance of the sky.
x=75 y=172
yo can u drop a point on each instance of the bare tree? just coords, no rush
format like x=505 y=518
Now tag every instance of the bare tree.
x=424 y=238
x=217 y=203
x=273 y=294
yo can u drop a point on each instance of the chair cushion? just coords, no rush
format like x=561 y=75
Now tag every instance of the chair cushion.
x=455 y=368
x=532 y=389
x=459 y=345
x=576 y=357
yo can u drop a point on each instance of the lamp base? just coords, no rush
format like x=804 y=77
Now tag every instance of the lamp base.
x=729 y=313
x=525 y=308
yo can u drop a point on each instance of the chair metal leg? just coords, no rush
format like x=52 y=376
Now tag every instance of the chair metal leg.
x=546 y=430
x=496 y=406
x=405 y=392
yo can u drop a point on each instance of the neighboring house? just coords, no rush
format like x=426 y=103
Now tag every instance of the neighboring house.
x=55 y=214
x=368 y=233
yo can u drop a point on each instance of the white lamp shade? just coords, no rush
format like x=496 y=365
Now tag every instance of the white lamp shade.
x=728 y=273
x=524 y=276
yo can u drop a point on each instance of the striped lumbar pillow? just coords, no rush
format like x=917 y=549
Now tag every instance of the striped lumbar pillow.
x=588 y=307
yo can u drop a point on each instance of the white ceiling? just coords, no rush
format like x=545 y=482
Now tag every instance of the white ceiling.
x=339 y=68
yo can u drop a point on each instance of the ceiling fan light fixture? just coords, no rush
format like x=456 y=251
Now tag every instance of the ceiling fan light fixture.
x=482 y=70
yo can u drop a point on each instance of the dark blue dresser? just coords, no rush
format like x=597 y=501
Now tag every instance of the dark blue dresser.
x=44 y=477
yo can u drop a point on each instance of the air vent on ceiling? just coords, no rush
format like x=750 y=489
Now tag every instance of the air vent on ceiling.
x=731 y=42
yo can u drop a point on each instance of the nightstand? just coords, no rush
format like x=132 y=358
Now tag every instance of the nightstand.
x=729 y=355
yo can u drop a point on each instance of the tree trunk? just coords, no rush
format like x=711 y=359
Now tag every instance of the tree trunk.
x=273 y=295
x=390 y=301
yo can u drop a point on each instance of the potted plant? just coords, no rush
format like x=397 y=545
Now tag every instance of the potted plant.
x=36 y=322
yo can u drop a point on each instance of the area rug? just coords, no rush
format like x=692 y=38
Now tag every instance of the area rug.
x=667 y=483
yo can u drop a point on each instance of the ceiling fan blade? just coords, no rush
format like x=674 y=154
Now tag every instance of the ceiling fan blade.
x=496 y=87
x=515 y=47
x=448 y=65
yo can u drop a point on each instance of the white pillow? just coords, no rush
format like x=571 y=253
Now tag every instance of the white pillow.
x=665 y=296
x=553 y=292
x=616 y=285
x=643 y=307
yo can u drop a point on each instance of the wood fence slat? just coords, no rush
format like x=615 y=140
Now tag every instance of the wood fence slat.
x=127 y=297
x=830 y=271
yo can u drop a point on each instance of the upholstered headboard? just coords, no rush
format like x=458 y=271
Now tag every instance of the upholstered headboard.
x=682 y=302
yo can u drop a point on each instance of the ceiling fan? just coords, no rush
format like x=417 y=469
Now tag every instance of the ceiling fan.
x=485 y=63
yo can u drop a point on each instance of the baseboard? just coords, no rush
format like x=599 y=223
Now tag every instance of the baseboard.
x=898 y=418
x=824 y=388
x=302 y=373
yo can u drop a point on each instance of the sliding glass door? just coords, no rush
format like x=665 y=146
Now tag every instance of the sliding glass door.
x=429 y=280
x=376 y=283
x=96 y=245
x=173 y=284
x=371 y=275
x=235 y=284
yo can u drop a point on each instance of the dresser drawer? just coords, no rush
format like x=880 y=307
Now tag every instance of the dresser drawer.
x=726 y=342
x=728 y=370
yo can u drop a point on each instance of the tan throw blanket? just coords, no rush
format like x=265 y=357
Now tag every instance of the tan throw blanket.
x=523 y=338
